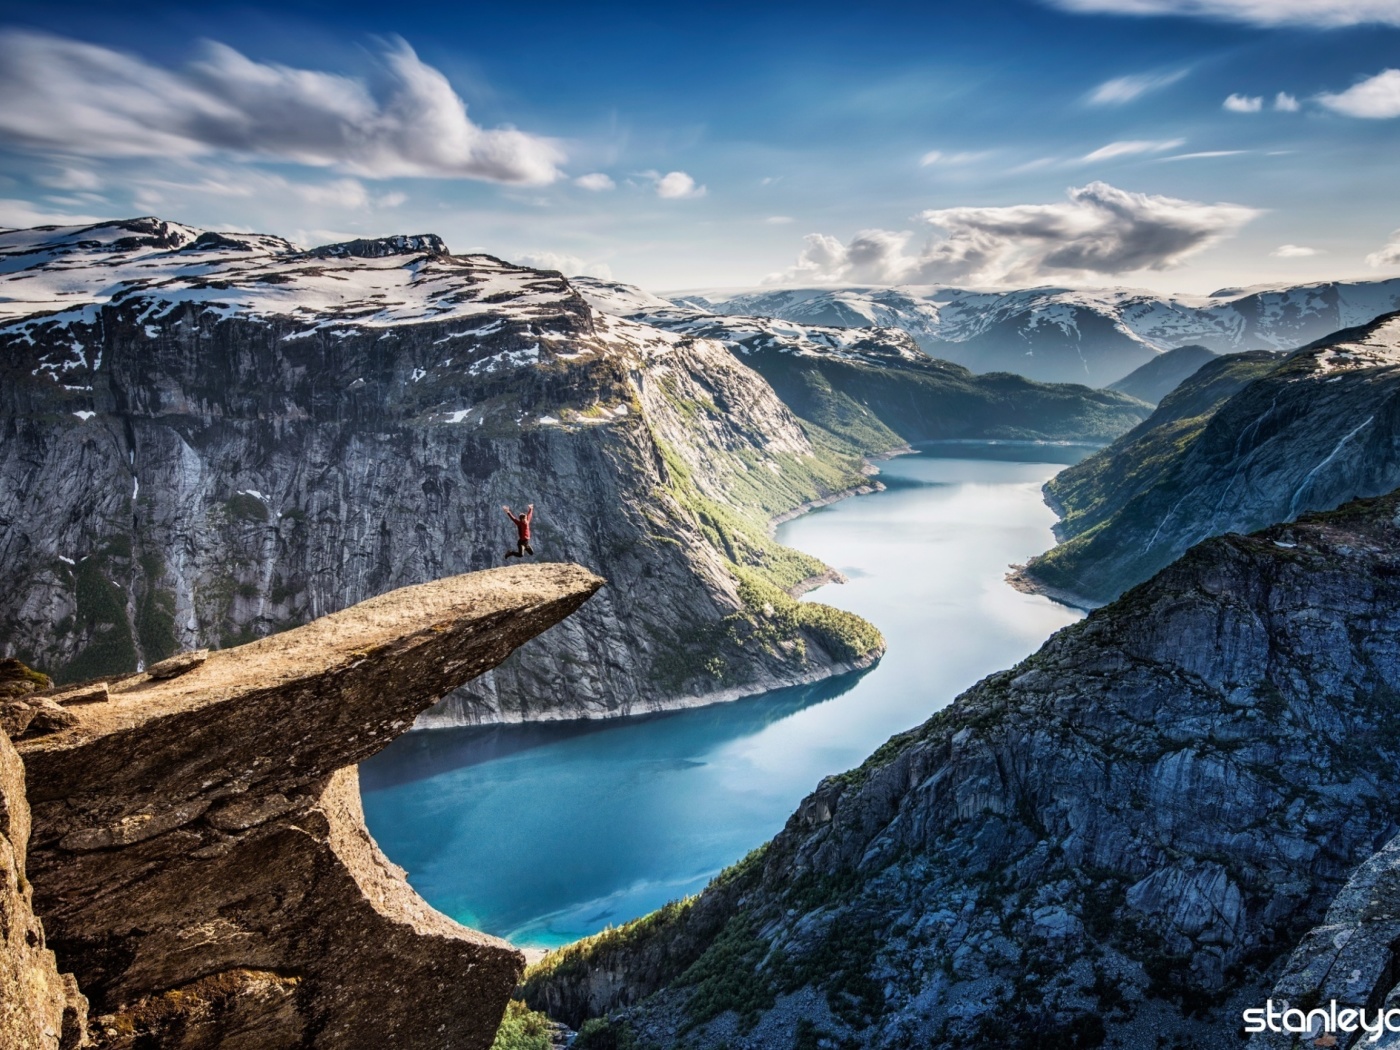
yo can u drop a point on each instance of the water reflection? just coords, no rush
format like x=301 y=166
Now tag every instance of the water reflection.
x=422 y=755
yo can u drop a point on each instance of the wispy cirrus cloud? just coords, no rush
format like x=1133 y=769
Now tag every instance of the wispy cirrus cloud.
x=1295 y=251
x=1131 y=147
x=940 y=157
x=1098 y=230
x=1122 y=90
x=1206 y=154
x=69 y=97
x=1375 y=98
x=1321 y=14
x=23 y=214
x=196 y=185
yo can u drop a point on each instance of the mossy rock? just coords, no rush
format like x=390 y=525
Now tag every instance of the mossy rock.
x=18 y=679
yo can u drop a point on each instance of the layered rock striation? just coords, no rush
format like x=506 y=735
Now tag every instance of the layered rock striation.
x=1115 y=842
x=198 y=853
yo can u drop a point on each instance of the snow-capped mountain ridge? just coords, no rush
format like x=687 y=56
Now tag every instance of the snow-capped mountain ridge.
x=1094 y=336
x=747 y=335
x=61 y=275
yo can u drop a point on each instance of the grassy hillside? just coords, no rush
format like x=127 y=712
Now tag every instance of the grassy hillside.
x=876 y=406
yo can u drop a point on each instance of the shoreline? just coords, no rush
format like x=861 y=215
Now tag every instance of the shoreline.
x=756 y=687
x=811 y=583
x=1016 y=578
x=1024 y=581
x=868 y=468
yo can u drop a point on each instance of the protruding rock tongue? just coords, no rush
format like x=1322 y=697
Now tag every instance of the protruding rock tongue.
x=202 y=834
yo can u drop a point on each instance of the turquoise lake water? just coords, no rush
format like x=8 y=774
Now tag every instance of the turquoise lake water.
x=543 y=834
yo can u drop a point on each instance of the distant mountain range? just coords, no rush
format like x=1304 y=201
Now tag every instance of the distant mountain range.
x=1061 y=335
x=1160 y=376
x=874 y=388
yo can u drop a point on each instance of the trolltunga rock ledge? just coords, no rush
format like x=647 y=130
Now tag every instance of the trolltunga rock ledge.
x=198 y=851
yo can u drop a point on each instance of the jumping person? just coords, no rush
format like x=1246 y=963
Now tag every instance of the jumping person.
x=522 y=528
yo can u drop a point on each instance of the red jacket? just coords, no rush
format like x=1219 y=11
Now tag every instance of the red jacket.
x=522 y=524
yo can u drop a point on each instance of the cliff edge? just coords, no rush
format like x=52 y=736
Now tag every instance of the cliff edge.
x=198 y=852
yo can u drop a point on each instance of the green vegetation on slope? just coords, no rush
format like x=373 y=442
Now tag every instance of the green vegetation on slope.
x=522 y=1029
x=1098 y=497
x=766 y=571
x=101 y=615
x=871 y=407
x=673 y=936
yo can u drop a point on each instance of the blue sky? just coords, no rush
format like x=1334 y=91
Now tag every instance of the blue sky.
x=1180 y=145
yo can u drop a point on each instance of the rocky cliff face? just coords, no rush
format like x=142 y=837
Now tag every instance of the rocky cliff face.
x=1246 y=441
x=199 y=857
x=1111 y=843
x=40 y=1009
x=1349 y=959
x=209 y=438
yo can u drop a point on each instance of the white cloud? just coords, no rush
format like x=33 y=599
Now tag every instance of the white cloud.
x=1203 y=155
x=568 y=265
x=1322 y=14
x=209 y=180
x=1294 y=251
x=1244 y=103
x=595 y=181
x=1377 y=97
x=934 y=156
x=1121 y=90
x=23 y=214
x=339 y=193
x=70 y=178
x=1099 y=230
x=1286 y=103
x=1388 y=254
x=778 y=220
x=1130 y=148
x=676 y=185
x=80 y=98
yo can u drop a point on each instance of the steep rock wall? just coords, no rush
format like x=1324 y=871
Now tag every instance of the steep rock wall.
x=1245 y=442
x=209 y=459
x=40 y=1009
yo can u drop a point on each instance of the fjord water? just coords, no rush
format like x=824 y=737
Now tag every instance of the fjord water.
x=546 y=833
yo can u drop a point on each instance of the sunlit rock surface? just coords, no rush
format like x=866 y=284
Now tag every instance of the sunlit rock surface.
x=199 y=855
